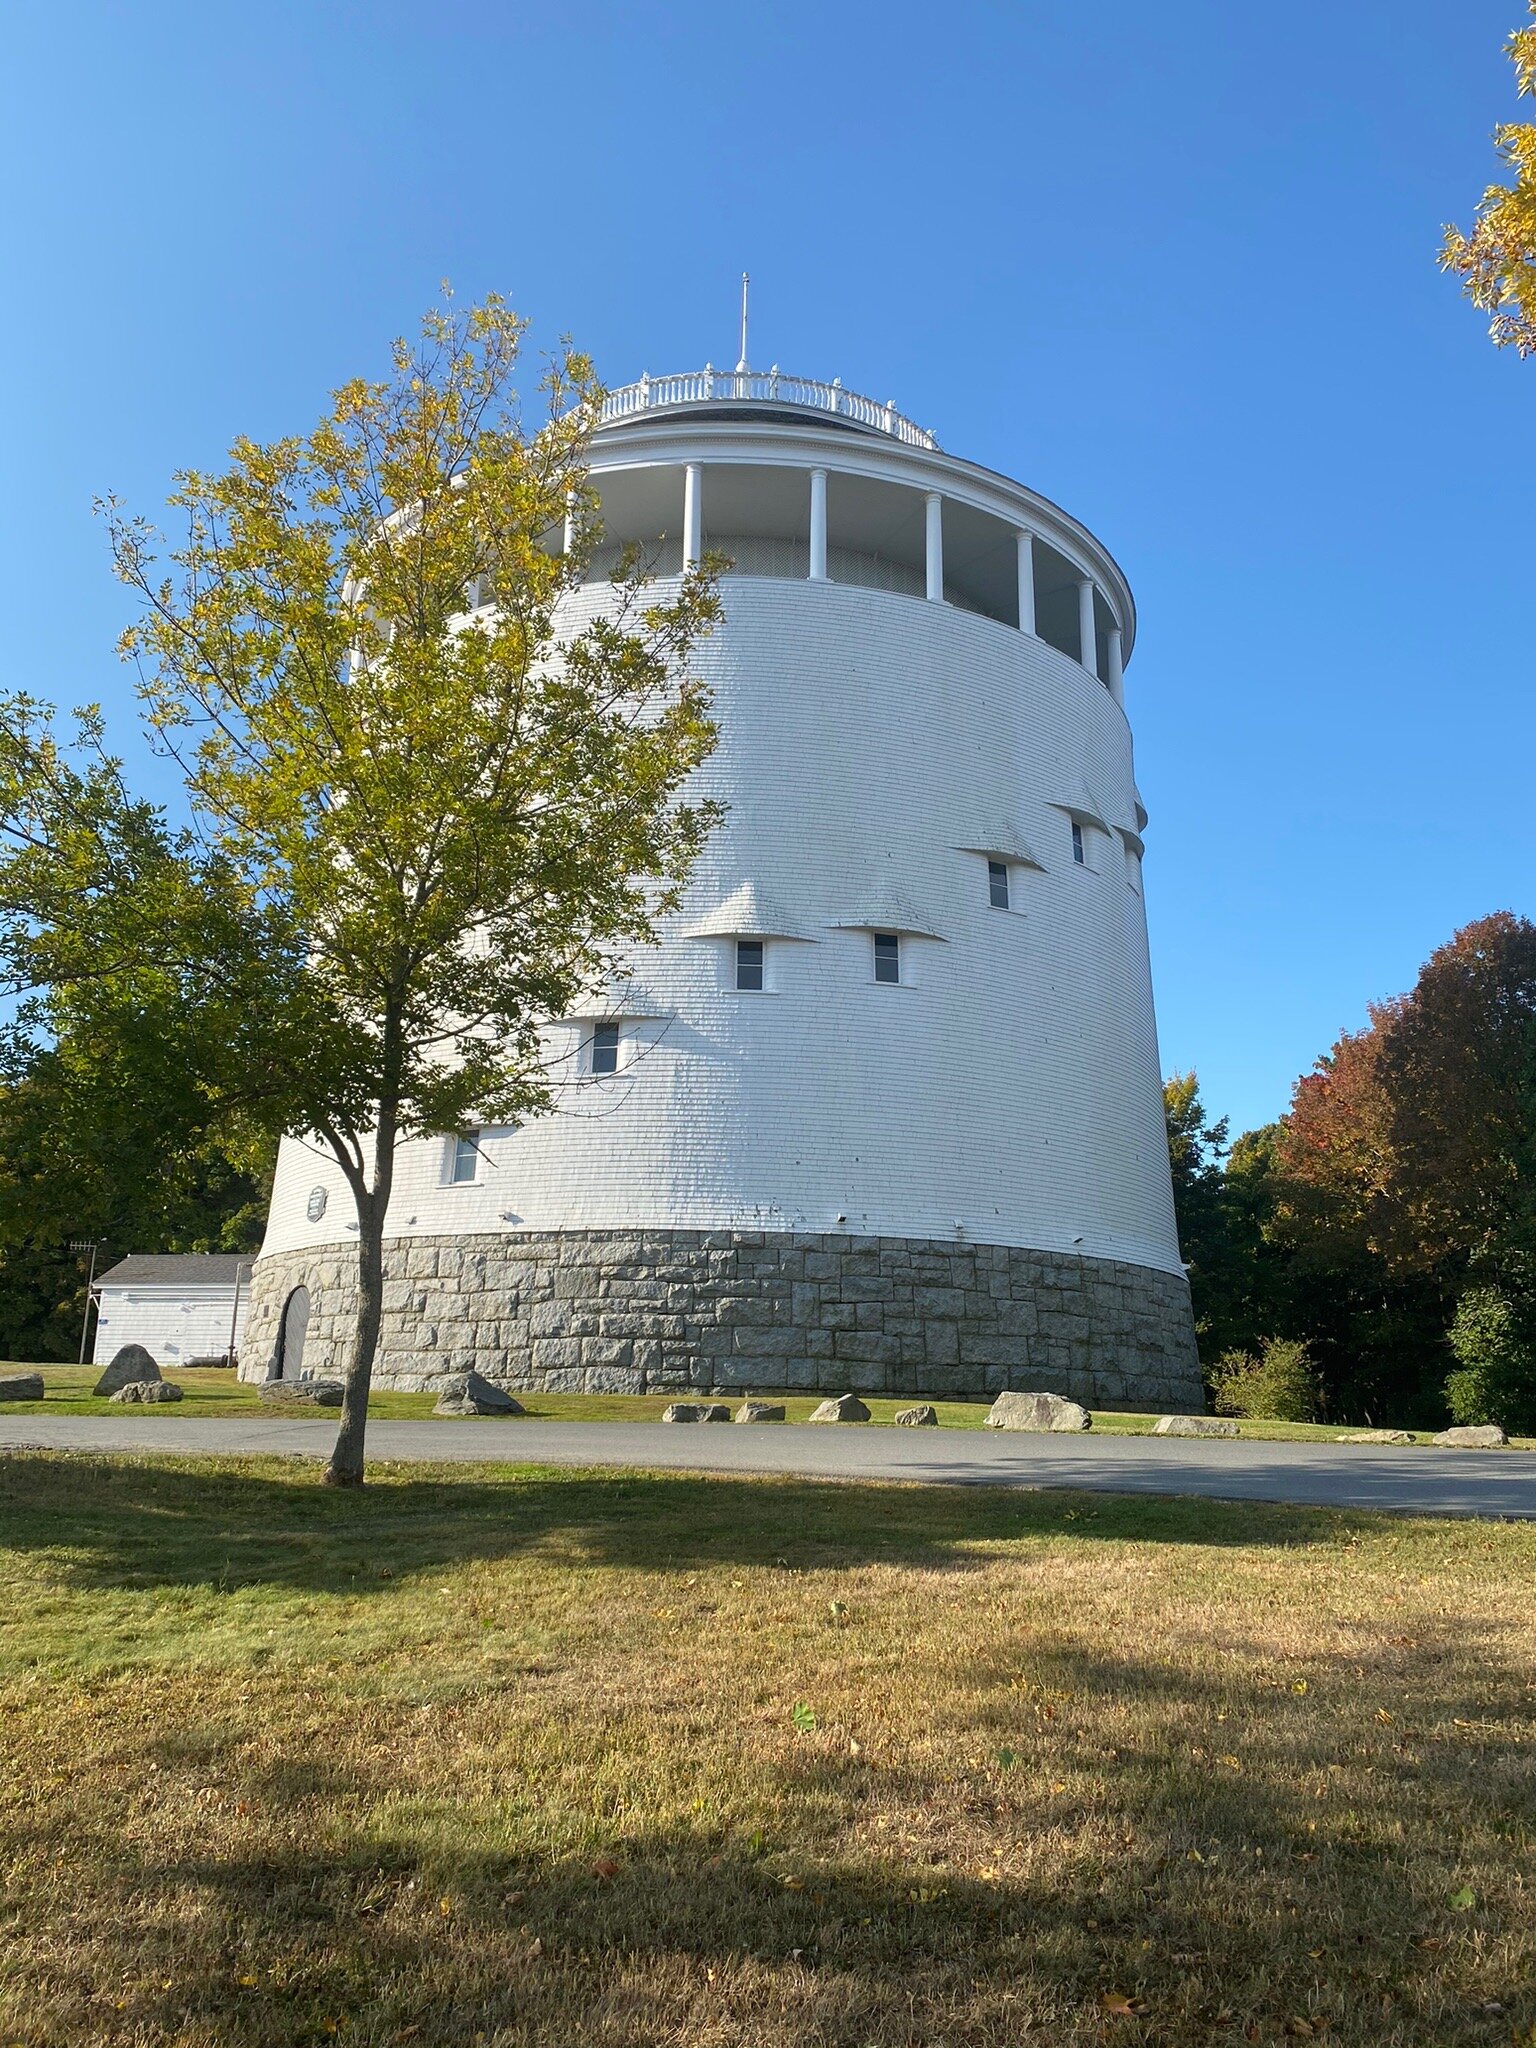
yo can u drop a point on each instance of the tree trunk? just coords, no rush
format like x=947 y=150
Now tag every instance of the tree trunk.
x=346 y=1466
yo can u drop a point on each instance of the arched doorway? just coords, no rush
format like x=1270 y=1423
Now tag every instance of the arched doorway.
x=291 y=1332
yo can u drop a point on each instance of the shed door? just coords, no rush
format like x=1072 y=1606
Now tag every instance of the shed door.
x=291 y=1334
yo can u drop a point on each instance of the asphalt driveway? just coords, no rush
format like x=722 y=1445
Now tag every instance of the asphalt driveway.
x=1417 y=1479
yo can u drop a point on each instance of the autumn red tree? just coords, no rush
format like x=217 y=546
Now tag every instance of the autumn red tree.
x=1458 y=1075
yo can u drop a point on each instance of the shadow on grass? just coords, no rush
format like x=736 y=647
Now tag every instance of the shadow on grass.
x=136 y=1522
x=1223 y=1906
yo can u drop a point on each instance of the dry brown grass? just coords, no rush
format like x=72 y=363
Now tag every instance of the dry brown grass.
x=513 y=1757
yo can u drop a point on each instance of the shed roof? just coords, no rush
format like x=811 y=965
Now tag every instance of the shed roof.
x=175 y=1269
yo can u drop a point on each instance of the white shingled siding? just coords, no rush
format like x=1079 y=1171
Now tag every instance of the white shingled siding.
x=1008 y=1092
x=173 y=1323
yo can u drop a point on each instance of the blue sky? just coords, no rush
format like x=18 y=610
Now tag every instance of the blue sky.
x=1172 y=266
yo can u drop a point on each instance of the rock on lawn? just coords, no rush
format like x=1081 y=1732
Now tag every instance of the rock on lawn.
x=1037 y=1412
x=470 y=1393
x=760 y=1411
x=1473 y=1436
x=1194 y=1425
x=132 y=1363
x=21 y=1386
x=923 y=1416
x=302 y=1393
x=148 y=1392
x=842 y=1408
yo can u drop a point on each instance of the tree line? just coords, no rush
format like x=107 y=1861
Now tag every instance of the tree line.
x=1386 y=1224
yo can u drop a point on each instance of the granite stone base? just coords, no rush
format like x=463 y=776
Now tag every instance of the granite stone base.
x=620 y=1311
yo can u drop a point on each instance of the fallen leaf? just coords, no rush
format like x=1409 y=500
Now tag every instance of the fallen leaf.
x=605 y=1869
x=1120 y=2005
x=1462 y=1900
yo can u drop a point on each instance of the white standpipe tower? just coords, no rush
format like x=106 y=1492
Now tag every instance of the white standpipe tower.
x=883 y=1110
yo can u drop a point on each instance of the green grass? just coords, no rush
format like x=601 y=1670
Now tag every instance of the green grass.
x=217 y=1392
x=508 y=1756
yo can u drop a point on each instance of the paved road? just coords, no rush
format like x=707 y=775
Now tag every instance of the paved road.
x=1422 y=1480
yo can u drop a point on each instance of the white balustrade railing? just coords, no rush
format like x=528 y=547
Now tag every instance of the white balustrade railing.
x=695 y=387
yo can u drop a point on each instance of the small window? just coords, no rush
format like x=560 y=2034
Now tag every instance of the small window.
x=887 y=956
x=997 y=884
x=1079 y=851
x=464 y=1159
x=605 y=1049
x=749 y=963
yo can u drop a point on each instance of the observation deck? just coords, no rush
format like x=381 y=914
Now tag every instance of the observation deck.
x=762 y=387
x=793 y=477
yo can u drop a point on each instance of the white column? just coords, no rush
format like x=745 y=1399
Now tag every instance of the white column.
x=570 y=521
x=934 y=537
x=1116 y=676
x=818 y=526
x=1088 y=638
x=693 y=516
x=1026 y=581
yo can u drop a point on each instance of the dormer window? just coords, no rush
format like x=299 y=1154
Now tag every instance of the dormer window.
x=605 y=1049
x=997 y=884
x=887 y=957
x=1079 y=851
x=749 y=963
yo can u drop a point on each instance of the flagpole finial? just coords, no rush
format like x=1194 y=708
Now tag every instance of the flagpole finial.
x=745 y=281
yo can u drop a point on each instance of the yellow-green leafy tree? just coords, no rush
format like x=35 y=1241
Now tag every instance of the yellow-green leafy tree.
x=1496 y=262
x=427 y=817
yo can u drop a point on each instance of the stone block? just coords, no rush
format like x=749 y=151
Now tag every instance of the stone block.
x=556 y=1354
x=944 y=1302
x=858 y=1287
x=605 y=1351
x=608 y=1379
x=941 y=1343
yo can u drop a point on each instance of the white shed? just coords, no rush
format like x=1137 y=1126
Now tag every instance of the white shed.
x=178 y=1305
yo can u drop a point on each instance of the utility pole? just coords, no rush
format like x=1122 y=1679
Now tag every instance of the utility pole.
x=78 y=1245
x=234 y=1313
